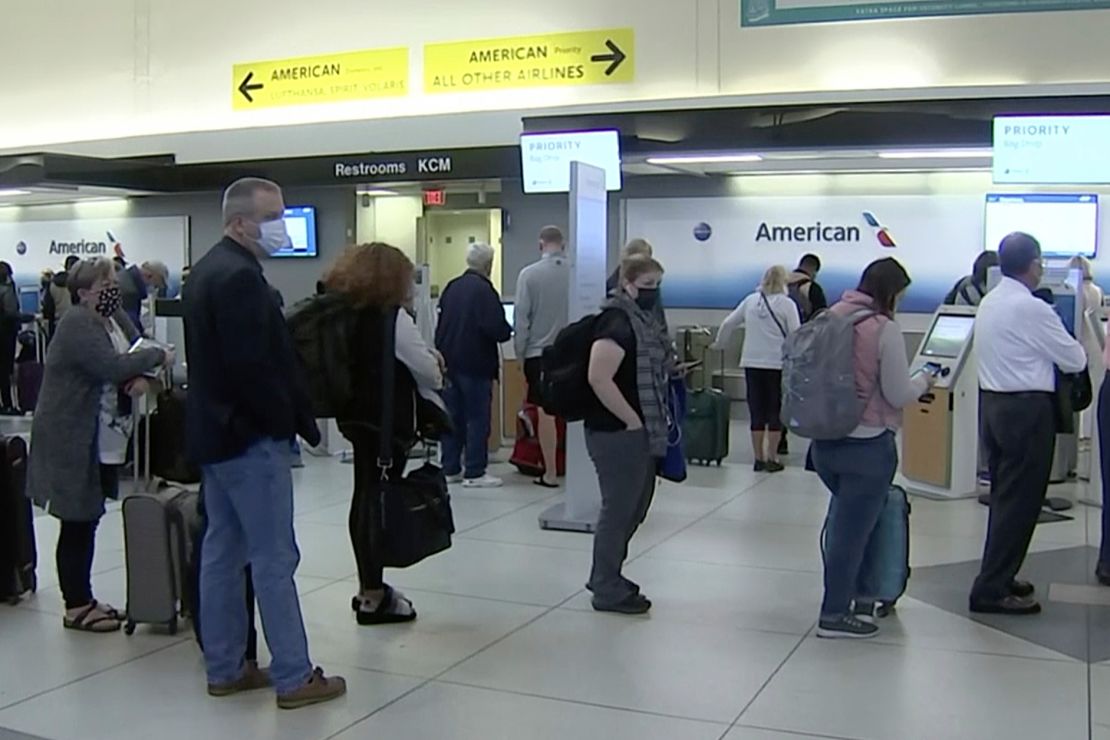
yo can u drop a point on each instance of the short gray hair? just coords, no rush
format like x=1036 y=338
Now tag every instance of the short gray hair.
x=158 y=268
x=239 y=196
x=87 y=273
x=480 y=256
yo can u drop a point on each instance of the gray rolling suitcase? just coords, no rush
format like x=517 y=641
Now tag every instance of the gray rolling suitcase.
x=158 y=532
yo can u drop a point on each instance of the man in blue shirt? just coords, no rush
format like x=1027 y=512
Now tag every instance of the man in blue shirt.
x=471 y=326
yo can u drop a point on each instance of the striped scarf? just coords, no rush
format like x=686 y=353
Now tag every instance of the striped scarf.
x=654 y=365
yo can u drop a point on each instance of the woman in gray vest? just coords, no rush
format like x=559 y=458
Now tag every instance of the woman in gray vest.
x=81 y=429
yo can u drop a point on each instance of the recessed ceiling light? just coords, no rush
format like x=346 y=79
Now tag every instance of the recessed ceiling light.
x=6 y=193
x=377 y=192
x=937 y=154
x=707 y=159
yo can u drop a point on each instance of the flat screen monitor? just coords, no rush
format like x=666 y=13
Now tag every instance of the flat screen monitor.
x=300 y=222
x=30 y=300
x=948 y=336
x=1064 y=224
x=510 y=313
x=545 y=158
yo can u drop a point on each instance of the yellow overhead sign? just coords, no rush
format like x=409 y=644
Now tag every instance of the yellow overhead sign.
x=578 y=58
x=329 y=78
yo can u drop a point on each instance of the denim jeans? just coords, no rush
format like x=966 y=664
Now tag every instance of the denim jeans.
x=468 y=399
x=249 y=502
x=858 y=473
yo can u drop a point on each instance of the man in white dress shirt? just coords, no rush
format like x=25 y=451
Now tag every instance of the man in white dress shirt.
x=1019 y=342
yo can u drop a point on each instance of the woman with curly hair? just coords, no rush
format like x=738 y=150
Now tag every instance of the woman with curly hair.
x=378 y=282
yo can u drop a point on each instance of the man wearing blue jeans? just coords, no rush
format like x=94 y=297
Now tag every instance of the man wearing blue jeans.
x=471 y=326
x=246 y=404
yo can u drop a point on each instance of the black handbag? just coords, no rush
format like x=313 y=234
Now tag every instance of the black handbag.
x=416 y=510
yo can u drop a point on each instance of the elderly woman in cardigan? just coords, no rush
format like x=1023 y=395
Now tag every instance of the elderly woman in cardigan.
x=81 y=429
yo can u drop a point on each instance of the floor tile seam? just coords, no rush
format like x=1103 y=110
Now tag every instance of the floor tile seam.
x=693 y=561
x=694 y=523
x=499 y=517
x=451 y=667
x=491 y=599
x=673 y=622
x=581 y=703
x=543 y=546
x=790 y=733
x=1063 y=659
x=770 y=678
x=101 y=671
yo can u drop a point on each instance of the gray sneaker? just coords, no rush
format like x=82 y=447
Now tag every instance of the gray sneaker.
x=846 y=628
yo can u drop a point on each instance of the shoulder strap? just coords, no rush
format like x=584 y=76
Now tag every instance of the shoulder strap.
x=782 y=329
x=388 y=372
x=967 y=297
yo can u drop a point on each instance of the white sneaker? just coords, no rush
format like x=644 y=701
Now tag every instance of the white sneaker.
x=486 y=481
x=455 y=478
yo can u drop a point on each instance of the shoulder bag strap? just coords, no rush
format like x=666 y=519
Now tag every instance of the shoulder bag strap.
x=763 y=297
x=388 y=377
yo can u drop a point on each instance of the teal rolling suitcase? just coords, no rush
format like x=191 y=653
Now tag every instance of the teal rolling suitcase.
x=705 y=433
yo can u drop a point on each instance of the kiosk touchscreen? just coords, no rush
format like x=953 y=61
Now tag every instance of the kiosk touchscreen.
x=940 y=433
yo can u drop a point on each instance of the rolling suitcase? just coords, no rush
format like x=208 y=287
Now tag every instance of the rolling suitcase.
x=18 y=553
x=158 y=532
x=885 y=570
x=29 y=371
x=705 y=434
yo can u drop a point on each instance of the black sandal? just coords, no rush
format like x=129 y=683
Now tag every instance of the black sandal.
x=82 y=623
x=384 y=613
x=544 y=484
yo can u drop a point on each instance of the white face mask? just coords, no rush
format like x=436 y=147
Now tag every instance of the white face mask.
x=272 y=236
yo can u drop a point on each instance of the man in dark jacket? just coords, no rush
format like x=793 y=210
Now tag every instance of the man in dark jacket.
x=56 y=299
x=246 y=402
x=471 y=326
x=804 y=290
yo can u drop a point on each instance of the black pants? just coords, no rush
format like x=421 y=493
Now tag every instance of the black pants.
x=1019 y=434
x=764 y=398
x=9 y=335
x=365 y=520
x=76 y=544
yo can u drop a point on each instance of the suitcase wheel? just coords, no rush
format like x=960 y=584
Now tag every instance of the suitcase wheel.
x=129 y=628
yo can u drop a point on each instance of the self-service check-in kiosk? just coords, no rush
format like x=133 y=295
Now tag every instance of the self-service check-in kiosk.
x=940 y=432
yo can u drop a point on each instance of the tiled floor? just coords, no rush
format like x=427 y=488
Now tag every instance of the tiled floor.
x=507 y=646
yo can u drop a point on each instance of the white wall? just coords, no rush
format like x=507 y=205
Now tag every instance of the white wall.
x=151 y=67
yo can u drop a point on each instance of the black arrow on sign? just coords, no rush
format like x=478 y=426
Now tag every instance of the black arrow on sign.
x=246 y=88
x=616 y=58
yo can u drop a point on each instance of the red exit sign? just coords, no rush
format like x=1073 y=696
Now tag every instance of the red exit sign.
x=435 y=197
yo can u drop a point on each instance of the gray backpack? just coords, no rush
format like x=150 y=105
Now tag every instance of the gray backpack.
x=819 y=398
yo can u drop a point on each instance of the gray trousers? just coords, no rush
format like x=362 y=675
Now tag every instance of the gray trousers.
x=626 y=476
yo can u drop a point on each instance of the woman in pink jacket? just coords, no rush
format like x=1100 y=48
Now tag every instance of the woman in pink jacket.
x=859 y=469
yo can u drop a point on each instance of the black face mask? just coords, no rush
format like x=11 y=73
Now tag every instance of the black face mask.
x=646 y=298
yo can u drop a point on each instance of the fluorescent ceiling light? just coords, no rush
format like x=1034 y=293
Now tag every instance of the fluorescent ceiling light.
x=377 y=192
x=937 y=154
x=707 y=159
x=6 y=193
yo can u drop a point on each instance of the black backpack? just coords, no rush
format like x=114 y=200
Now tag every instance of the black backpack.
x=323 y=331
x=564 y=377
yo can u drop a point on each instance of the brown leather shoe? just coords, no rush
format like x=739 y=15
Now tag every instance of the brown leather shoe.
x=318 y=689
x=253 y=678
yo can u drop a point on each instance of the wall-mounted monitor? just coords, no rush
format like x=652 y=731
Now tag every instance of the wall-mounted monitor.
x=300 y=222
x=546 y=158
x=1064 y=224
x=30 y=300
